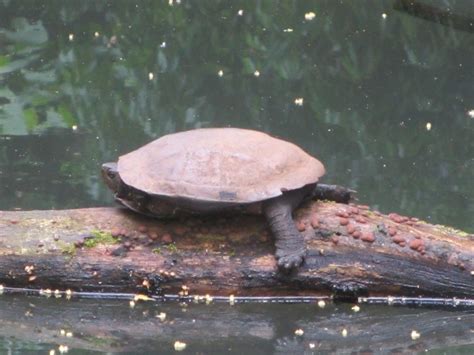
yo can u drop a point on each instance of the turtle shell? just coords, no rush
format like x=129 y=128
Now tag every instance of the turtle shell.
x=219 y=165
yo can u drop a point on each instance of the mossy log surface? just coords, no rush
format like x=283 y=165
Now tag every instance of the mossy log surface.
x=351 y=250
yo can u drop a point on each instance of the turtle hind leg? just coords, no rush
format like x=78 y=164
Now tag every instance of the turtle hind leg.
x=289 y=243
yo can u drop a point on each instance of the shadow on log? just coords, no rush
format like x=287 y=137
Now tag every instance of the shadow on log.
x=352 y=251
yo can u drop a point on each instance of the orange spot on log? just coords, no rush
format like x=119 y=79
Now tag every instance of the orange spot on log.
x=116 y=232
x=397 y=218
x=368 y=237
x=353 y=210
x=315 y=222
x=343 y=221
x=350 y=228
x=416 y=244
x=301 y=226
x=166 y=238
x=392 y=231
x=398 y=239
x=342 y=214
x=153 y=235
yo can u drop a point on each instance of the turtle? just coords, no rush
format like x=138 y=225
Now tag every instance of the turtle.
x=220 y=170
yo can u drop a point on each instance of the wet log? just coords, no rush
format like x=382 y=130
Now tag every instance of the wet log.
x=352 y=251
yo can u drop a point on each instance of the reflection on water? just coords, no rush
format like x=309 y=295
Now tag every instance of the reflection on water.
x=383 y=96
x=90 y=326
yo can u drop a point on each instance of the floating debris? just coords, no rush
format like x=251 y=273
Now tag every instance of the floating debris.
x=355 y=308
x=256 y=73
x=64 y=333
x=414 y=335
x=140 y=297
x=321 y=304
x=471 y=113
x=384 y=15
x=146 y=283
x=161 y=316
x=344 y=332
x=309 y=16
x=299 y=101
x=240 y=12
x=71 y=37
x=220 y=73
x=96 y=34
x=46 y=292
x=428 y=126
x=288 y=30
x=151 y=76
x=179 y=345
x=208 y=299
x=184 y=291
x=299 y=332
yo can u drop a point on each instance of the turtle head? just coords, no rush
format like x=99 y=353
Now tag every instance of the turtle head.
x=111 y=176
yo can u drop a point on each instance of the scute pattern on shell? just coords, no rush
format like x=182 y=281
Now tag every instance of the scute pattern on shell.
x=219 y=164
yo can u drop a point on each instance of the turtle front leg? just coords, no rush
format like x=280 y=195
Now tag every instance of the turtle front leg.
x=289 y=243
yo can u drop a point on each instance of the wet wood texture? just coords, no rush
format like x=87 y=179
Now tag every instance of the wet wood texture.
x=351 y=251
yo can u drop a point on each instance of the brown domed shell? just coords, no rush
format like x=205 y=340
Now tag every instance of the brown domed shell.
x=219 y=164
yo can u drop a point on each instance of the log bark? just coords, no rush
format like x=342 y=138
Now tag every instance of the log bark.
x=352 y=251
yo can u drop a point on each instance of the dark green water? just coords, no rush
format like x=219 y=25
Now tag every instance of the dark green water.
x=387 y=98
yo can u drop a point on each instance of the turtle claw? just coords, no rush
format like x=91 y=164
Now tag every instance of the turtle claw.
x=289 y=262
